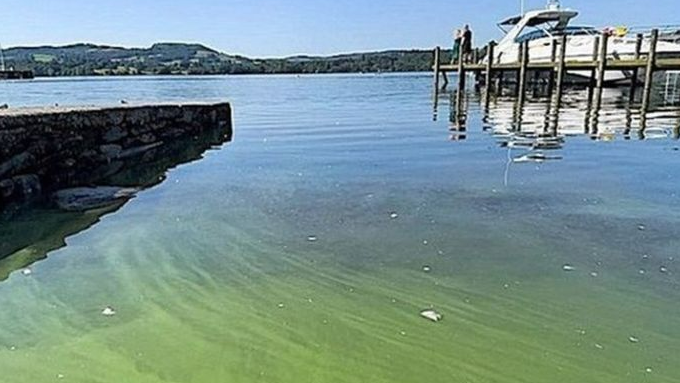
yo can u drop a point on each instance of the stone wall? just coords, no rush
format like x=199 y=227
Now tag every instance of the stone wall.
x=43 y=150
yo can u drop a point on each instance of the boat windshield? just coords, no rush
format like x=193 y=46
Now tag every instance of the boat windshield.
x=536 y=34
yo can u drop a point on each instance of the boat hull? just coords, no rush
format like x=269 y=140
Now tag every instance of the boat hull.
x=583 y=48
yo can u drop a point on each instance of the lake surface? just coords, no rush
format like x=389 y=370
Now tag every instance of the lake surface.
x=305 y=250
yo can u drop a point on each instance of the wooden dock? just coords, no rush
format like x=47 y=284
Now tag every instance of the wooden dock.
x=16 y=74
x=556 y=71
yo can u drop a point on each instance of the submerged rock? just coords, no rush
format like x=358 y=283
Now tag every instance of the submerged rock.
x=432 y=315
x=81 y=199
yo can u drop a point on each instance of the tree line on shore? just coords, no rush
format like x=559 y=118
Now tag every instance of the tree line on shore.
x=196 y=59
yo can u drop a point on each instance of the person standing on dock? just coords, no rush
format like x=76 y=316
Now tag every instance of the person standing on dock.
x=467 y=43
x=457 y=39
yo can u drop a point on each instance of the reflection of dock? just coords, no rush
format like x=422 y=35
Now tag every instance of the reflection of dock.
x=536 y=132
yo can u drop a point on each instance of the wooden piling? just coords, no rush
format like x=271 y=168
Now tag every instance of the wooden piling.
x=489 y=73
x=649 y=77
x=591 y=83
x=524 y=63
x=636 y=71
x=551 y=75
x=437 y=68
x=601 y=73
x=461 y=76
x=460 y=91
x=559 y=82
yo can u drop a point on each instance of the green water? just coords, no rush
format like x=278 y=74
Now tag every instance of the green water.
x=214 y=278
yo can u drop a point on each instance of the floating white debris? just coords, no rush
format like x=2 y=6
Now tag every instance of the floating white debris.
x=312 y=238
x=403 y=333
x=108 y=311
x=60 y=376
x=281 y=305
x=663 y=269
x=599 y=346
x=633 y=339
x=431 y=315
x=425 y=242
x=394 y=215
x=642 y=272
x=568 y=268
x=26 y=272
x=642 y=227
x=594 y=274
x=648 y=370
x=427 y=269
x=13 y=348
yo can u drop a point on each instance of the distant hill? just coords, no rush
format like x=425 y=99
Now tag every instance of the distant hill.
x=177 y=58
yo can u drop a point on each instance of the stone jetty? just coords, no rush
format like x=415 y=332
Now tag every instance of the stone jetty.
x=43 y=150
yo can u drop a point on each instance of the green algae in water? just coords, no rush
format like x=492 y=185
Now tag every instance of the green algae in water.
x=213 y=278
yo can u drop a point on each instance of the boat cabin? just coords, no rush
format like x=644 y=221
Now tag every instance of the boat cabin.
x=539 y=24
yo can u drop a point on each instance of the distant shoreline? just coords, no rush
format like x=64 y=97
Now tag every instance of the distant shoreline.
x=195 y=59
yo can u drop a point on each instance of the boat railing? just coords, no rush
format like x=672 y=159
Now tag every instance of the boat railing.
x=646 y=30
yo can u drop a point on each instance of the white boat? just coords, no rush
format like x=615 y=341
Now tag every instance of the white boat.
x=541 y=27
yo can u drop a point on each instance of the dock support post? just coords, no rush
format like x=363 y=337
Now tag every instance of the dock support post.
x=551 y=75
x=649 y=77
x=489 y=74
x=437 y=69
x=551 y=85
x=601 y=72
x=559 y=82
x=592 y=83
x=522 y=85
x=460 y=91
x=636 y=70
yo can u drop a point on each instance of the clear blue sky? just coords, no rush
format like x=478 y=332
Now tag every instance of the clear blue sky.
x=268 y=28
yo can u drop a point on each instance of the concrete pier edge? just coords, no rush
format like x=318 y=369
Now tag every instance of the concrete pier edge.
x=45 y=149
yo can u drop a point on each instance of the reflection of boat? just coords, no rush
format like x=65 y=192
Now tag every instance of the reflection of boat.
x=533 y=127
x=541 y=28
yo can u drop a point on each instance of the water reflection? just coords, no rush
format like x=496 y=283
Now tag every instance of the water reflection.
x=29 y=233
x=543 y=122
